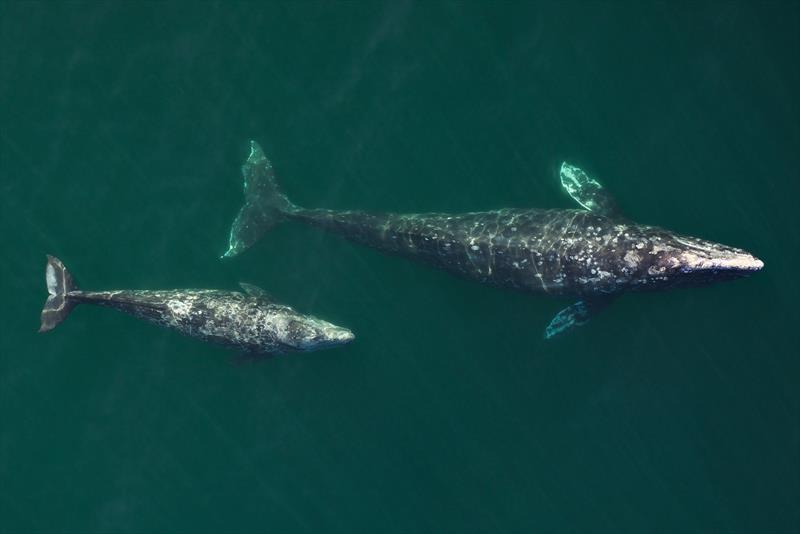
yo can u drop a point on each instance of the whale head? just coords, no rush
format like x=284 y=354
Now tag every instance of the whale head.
x=709 y=261
x=678 y=260
x=307 y=333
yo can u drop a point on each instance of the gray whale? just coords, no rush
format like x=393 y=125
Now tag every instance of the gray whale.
x=592 y=253
x=251 y=321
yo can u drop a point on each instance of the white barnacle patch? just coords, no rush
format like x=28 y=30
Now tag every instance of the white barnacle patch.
x=475 y=247
x=640 y=245
x=632 y=259
x=179 y=309
x=52 y=281
x=280 y=327
x=653 y=270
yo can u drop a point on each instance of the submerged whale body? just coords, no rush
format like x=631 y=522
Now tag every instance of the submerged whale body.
x=593 y=253
x=249 y=321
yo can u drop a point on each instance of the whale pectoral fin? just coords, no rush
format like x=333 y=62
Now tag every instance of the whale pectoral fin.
x=575 y=315
x=255 y=291
x=587 y=191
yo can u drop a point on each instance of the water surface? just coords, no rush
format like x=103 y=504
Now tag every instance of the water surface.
x=122 y=130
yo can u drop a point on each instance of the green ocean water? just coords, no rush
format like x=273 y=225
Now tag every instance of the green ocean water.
x=122 y=129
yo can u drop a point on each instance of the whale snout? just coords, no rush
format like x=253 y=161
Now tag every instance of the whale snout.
x=315 y=334
x=340 y=336
x=749 y=263
x=330 y=337
x=742 y=262
x=699 y=256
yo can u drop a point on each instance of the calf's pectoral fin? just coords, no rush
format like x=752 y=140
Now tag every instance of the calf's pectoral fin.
x=255 y=291
x=587 y=191
x=575 y=315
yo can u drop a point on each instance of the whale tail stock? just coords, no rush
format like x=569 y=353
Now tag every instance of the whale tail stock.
x=265 y=205
x=59 y=284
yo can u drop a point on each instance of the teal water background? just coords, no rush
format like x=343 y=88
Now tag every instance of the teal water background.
x=122 y=129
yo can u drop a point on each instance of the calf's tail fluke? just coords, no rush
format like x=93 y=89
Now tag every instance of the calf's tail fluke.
x=59 y=284
x=265 y=205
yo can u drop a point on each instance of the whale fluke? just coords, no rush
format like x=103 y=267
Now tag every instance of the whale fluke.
x=264 y=203
x=59 y=284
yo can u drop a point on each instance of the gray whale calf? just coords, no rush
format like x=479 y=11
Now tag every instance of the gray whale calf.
x=593 y=253
x=249 y=321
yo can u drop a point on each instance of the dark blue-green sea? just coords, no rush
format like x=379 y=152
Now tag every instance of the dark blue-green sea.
x=123 y=126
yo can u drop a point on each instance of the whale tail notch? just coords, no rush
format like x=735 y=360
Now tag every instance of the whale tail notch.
x=59 y=284
x=265 y=205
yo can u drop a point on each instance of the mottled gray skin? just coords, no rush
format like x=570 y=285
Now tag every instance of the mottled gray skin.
x=594 y=253
x=250 y=322
x=558 y=252
x=226 y=318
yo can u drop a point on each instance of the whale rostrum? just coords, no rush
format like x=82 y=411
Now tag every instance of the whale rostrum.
x=250 y=321
x=593 y=253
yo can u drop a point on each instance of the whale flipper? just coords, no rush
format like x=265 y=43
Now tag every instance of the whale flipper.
x=255 y=291
x=575 y=315
x=587 y=191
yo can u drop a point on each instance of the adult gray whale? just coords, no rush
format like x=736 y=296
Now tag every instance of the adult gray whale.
x=248 y=321
x=593 y=253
